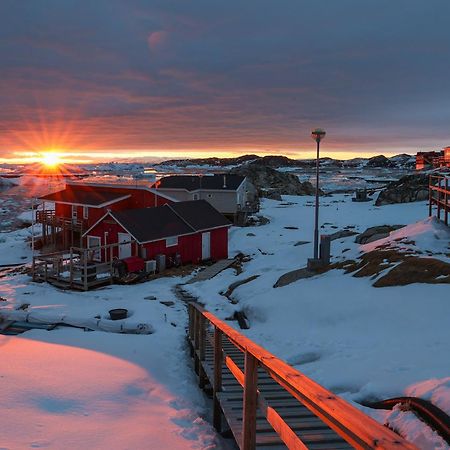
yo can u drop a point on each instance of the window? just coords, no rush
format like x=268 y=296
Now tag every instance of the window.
x=85 y=212
x=74 y=211
x=170 y=242
x=196 y=197
x=209 y=195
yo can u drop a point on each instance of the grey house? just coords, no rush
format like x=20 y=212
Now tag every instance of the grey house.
x=233 y=195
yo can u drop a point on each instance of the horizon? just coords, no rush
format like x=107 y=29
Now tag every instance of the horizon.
x=140 y=159
x=148 y=79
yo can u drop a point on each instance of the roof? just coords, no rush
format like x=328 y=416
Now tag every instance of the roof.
x=94 y=197
x=107 y=186
x=199 y=214
x=153 y=224
x=227 y=182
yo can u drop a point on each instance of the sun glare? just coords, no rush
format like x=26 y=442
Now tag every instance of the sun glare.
x=50 y=159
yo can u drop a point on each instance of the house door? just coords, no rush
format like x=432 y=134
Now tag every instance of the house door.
x=206 y=245
x=124 y=245
x=92 y=242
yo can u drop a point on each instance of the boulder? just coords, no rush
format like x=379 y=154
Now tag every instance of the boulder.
x=374 y=233
x=272 y=183
x=411 y=188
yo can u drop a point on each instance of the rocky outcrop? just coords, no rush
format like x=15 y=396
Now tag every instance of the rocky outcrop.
x=380 y=161
x=411 y=188
x=375 y=233
x=272 y=183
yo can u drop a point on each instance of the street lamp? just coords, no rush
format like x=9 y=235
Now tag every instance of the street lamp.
x=318 y=134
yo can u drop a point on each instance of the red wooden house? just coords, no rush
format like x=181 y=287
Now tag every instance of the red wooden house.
x=191 y=231
x=79 y=206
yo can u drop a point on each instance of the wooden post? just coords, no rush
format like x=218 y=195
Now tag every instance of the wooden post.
x=85 y=280
x=71 y=266
x=250 y=403
x=446 y=202
x=430 y=197
x=217 y=383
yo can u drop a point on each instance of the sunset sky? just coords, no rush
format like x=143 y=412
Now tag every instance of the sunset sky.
x=109 y=79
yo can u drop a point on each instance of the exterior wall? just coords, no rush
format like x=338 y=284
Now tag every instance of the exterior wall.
x=247 y=193
x=219 y=243
x=189 y=247
x=112 y=228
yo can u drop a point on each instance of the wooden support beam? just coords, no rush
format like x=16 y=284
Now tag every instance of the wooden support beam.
x=250 y=402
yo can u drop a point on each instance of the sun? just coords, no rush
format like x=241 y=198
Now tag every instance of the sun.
x=50 y=159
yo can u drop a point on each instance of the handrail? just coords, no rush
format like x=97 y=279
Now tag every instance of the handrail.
x=358 y=429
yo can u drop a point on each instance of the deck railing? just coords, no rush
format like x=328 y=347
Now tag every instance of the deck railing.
x=356 y=428
x=439 y=191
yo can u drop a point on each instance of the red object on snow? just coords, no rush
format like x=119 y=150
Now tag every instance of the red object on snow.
x=134 y=263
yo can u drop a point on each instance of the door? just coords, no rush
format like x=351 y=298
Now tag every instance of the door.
x=206 y=246
x=124 y=245
x=92 y=242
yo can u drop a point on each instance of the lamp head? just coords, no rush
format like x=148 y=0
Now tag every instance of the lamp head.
x=318 y=134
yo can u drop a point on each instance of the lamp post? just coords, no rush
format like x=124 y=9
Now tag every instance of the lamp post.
x=318 y=134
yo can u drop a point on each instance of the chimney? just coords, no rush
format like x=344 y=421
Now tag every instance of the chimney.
x=224 y=182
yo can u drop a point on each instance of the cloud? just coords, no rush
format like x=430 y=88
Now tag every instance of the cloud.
x=149 y=74
x=156 y=39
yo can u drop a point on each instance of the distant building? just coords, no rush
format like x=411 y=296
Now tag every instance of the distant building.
x=232 y=195
x=434 y=159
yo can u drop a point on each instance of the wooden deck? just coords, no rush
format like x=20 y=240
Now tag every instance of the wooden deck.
x=439 y=188
x=268 y=404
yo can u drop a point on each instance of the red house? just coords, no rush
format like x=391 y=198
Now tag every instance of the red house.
x=79 y=206
x=191 y=231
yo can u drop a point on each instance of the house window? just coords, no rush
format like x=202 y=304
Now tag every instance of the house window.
x=170 y=242
x=85 y=212
x=74 y=212
x=196 y=197
x=209 y=195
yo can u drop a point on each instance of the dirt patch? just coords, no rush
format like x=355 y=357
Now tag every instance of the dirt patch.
x=416 y=270
x=396 y=268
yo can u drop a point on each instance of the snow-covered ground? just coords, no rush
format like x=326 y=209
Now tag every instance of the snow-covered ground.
x=103 y=390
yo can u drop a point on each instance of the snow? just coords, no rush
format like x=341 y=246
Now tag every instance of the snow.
x=427 y=236
x=105 y=390
x=122 y=391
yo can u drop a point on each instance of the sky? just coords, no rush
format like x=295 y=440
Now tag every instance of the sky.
x=112 y=79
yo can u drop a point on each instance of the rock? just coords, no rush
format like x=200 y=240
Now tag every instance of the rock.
x=301 y=243
x=272 y=195
x=342 y=234
x=380 y=161
x=374 y=233
x=272 y=183
x=411 y=188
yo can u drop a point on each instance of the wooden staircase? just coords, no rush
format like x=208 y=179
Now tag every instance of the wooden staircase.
x=266 y=403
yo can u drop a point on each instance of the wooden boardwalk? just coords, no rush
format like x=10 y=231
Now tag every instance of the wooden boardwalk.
x=269 y=405
x=212 y=271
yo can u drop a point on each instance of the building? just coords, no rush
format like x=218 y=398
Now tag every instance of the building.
x=433 y=160
x=67 y=214
x=188 y=232
x=232 y=195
